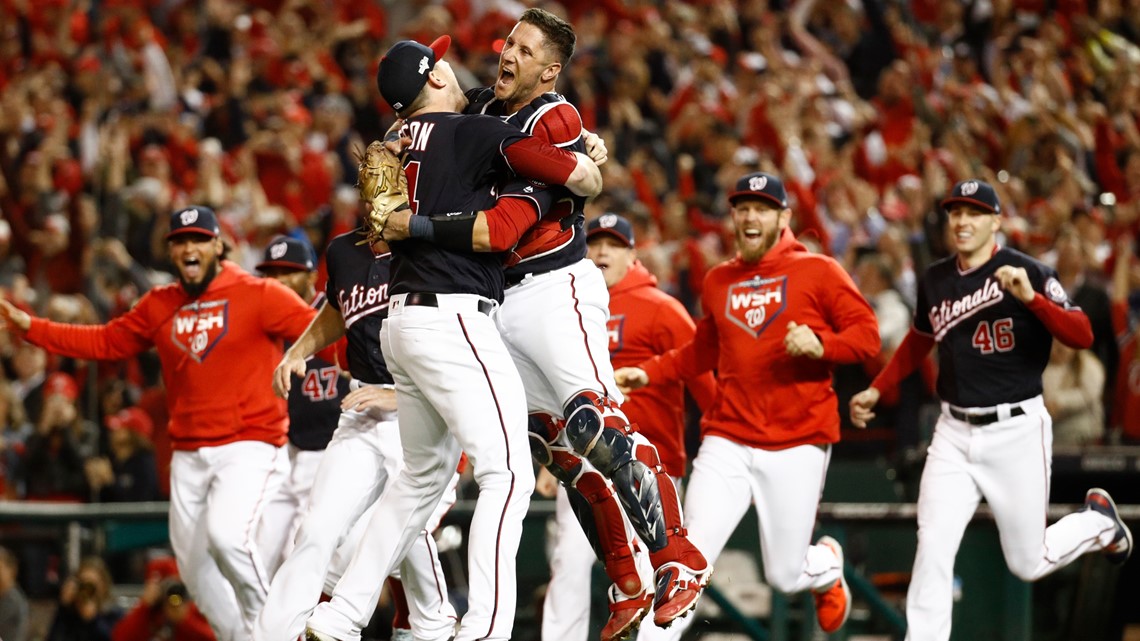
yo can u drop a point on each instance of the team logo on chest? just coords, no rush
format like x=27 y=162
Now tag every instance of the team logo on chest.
x=197 y=327
x=614 y=325
x=754 y=304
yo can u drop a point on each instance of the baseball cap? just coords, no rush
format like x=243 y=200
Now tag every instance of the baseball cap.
x=131 y=418
x=194 y=219
x=285 y=251
x=760 y=185
x=62 y=384
x=613 y=225
x=973 y=192
x=404 y=70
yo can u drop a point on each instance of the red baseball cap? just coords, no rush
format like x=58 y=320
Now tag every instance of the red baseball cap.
x=61 y=383
x=133 y=419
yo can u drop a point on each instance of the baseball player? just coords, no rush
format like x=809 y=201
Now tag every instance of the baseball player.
x=361 y=459
x=218 y=331
x=643 y=322
x=553 y=322
x=778 y=320
x=314 y=408
x=993 y=312
x=457 y=385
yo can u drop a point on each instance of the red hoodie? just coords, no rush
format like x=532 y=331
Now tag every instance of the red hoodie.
x=766 y=398
x=644 y=322
x=218 y=353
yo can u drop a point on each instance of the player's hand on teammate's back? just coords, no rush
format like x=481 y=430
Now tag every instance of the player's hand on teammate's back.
x=630 y=378
x=13 y=316
x=1015 y=280
x=283 y=376
x=801 y=341
x=596 y=148
x=861 y=405
x=545 y=484
x=370 y=397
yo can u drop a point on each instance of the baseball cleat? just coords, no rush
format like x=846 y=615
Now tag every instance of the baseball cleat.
x=313 y=635
x=833 y=604
x=678 y=590
x=626 y=613
x=402 y=634
x=1118 y=551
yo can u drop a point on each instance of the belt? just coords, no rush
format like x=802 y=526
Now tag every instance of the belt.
x=432 y=300
x=982 y=418
x=511 y=281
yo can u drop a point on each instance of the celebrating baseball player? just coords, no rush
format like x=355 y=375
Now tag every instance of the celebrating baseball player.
x=218 y=331
x=643 y=322
x=361 y=459
x=457 y=385
x=314 y=408
x=553 y=293
x=993 y=312
x=778 y=319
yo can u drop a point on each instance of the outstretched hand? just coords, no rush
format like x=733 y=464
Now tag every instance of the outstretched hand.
x=861 y=405
x=630 y=378
x=14 y=317
x=283 y=376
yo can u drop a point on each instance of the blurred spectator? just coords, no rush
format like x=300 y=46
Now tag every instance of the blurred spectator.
x=1073 y=388
x=164 y=611
x=13 y=603
x=14 y=432
x=1126 y=401
x=53 y=462
x=130 y=474
x=29 y=368
x=85 y=611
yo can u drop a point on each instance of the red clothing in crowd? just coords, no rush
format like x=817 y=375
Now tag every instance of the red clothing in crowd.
x=1126 y=398
x=150 y=622
x=218 y=353
x=766 y=398
x=644 y=322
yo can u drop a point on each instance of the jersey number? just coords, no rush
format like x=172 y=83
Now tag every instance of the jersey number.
x=412 y=173
x=1000 y=339
x=320 y=384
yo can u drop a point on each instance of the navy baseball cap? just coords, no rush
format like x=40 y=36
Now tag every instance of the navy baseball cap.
x=762 y=186
x=194 y=219
x=613 y=225
x=287 y=252
x=404 y=70
x=973 y=192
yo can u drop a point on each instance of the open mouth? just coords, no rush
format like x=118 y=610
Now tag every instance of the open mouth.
x=192 y=267
x=752 y=233
x=506 y=77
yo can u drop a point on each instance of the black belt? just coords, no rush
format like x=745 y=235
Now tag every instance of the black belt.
x=984 y=418
x=431 y=300
x=511 y=281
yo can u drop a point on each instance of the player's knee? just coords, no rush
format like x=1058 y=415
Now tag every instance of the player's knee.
x=229 y=540
x=1024 y=565
x=783 y=577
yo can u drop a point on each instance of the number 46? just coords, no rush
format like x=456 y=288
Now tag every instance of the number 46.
x=1000 y=339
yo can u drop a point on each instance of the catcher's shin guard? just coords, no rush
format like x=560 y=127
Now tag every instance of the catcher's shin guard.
x=677 y=546
x=599 y=513
x=605 y=440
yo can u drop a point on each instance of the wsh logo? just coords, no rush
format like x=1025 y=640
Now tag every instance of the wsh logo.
x=754 y=304
x=614 y=326
x=197 y=327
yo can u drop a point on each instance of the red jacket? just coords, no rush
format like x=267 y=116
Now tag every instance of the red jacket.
x=218 y=353
x=644 y=322
x=766 y=398
x=145 y=623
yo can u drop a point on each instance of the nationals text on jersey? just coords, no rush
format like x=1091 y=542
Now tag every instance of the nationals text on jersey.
x=950 y=312
x=361 y=301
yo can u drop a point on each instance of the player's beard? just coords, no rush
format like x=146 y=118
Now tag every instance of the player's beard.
x=752 y=254
x=194 y=290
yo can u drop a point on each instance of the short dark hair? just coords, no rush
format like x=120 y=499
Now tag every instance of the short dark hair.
x=558 y=33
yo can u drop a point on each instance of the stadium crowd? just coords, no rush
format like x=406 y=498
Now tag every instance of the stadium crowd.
x=114 y=113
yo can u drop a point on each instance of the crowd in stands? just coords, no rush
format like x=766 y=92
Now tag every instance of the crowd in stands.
x=113 y=113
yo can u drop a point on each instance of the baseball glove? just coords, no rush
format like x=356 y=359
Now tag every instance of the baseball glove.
x=381 y=181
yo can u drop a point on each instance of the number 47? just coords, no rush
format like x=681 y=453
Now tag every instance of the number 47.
x=999 y=340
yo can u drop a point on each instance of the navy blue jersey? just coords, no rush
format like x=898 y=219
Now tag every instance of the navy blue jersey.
x=358 y=289
x=991 y=348
x=559 y=238
x=314 y=402
x=452 y=165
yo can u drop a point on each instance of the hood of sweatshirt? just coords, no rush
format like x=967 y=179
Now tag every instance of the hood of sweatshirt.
x=636 y=278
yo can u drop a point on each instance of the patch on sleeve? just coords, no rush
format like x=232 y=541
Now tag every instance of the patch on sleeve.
x=1055 y=292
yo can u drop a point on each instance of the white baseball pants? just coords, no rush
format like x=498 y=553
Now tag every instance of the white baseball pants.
x=1009 y=464
x=217 y=496
x=283 y=515
x=785 y=486
x=458 y=390
x=362 y=457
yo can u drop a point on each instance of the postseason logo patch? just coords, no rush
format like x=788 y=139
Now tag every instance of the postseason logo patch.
x=197 y=327
x=1056 y=292
x=754 y=304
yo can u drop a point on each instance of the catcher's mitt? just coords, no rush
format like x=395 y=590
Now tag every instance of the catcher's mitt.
x=381 y=181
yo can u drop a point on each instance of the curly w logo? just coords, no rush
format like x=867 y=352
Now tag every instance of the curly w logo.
x=754 y=304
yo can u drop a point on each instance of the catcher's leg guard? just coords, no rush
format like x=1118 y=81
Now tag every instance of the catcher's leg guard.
x=604 y=438
x=593 y=500
x=677 y=546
